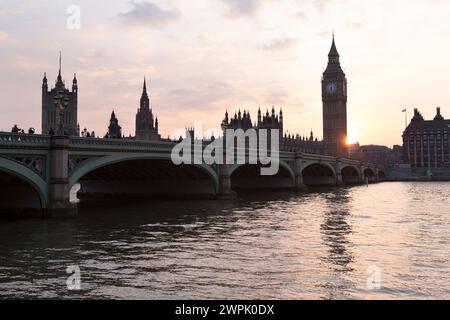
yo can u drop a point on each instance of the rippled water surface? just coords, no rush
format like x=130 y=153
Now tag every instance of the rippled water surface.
x=318 y=245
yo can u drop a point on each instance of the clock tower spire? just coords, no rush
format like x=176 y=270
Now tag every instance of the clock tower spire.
x=334 y=98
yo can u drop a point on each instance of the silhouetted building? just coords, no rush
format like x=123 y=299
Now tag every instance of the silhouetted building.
x=334 y=97
x=296 y=143
x=273 y=121
x=426 y=143
x=239 y=121
x=244 y=121
x=381 y=155
x=146 y=124
x=50 y=113
x=114 y=129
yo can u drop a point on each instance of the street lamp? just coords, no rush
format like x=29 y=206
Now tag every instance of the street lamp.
x=61 y=104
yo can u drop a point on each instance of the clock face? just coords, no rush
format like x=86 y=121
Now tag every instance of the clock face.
x=331 y=88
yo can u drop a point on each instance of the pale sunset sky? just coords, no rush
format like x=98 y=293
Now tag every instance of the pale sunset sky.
x=202 y=57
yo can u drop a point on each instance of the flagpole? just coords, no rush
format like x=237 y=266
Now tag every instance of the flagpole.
x=406 y=118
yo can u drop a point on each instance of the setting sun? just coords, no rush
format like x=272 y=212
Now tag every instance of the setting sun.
x=352 y=137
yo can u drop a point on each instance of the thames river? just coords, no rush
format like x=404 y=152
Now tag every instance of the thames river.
x=385 y=241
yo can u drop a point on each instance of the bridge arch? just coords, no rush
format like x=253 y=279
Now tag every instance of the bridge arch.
x=23 y=195
x=319 y=174
x=369 y=174
x=123 y=162
x=248 y=176
x=351 y=174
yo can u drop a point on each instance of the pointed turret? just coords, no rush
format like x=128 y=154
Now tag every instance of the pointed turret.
x=75 y=84
x=333 y=56
x=145 y=101
x=438 y=116
x=45 y=83
x=144 y=88
x=59 y=79
x=114 y=129
x=146 y=126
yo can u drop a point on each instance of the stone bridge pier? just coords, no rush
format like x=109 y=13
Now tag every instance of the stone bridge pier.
x=58 y=203
x=225 y=190
x=299 y=185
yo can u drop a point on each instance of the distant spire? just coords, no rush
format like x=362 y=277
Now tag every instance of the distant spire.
x=334 y=54
x=145 y=101
x=59 y=80
x=438 y=117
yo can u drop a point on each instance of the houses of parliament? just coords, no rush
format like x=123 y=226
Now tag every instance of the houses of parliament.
x=334 y=101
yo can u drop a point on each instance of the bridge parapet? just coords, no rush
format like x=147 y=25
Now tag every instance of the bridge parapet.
x=24 y=140
x=119 y=144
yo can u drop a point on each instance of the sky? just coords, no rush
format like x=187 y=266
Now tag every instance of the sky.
x=202 y=57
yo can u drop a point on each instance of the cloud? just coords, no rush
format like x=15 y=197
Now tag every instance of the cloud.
x=356 y=25
x=199 y=95
x=300 y=15
x=321 y=4
x=3 y=36
x=149 y=14
x=279 y=44
x=244 y=7
x=11 y=12
x=325 y=34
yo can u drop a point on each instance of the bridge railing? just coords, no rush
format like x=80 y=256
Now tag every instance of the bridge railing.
x=19 y=139
x=120 y=144
x=130 y=145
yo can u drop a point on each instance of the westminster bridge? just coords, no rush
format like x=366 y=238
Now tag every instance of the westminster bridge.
x=38 y=172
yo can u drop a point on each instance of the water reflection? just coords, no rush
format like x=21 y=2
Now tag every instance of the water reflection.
x=260 y=246
x=336 y=232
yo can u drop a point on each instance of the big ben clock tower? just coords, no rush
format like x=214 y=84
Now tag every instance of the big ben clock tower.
x=334 y=97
